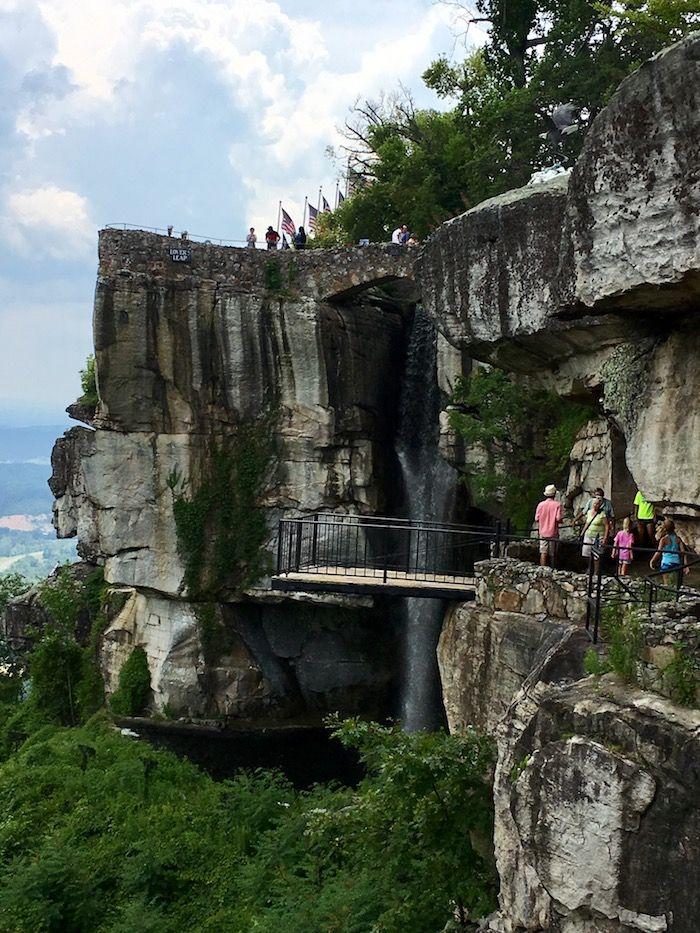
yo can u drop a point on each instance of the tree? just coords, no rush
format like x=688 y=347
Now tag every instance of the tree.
x=423 y=166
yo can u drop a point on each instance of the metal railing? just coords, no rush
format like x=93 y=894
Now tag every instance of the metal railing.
x=642 y=591
x=184 y=236
x=384 y=548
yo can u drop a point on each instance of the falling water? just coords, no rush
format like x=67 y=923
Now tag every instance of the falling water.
x=429 y=484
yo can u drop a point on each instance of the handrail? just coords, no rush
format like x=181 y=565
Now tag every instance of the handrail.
x=197 y=238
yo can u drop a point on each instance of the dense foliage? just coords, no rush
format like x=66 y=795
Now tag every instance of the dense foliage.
x=101 y=833
x=422 y=166
x=523 y=435
x=134 y=687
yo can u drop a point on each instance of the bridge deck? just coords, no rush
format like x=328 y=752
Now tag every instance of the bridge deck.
x=369 y=581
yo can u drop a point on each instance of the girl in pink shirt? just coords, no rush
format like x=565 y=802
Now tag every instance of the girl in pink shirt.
x=622 y=548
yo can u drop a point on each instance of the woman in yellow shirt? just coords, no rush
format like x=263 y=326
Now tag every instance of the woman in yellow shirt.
x=644 y=516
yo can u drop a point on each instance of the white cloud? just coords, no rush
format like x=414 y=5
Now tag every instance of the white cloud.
x=48 y=219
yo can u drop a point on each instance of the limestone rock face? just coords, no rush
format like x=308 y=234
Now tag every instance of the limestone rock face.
x=591 y=283
x=597 y=826
x=186 y=353
x=632 y=211
x=258 y=662
x=184 y=357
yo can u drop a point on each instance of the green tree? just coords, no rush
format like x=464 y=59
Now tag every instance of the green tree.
x=523 y=434
x=422 y=166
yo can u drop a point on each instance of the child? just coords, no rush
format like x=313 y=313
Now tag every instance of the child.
x=622 y=548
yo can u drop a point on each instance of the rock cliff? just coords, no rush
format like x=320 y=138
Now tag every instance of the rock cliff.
x=596 y=820
x=592 y=281
x=308 y=349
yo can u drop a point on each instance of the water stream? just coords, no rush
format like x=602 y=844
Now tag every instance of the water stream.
x=430 y=485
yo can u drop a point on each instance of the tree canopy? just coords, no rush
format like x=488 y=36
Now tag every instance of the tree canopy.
x=420 y=167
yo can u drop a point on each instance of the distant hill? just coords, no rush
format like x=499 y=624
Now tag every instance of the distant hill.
x=24 y=490
x=29 y=443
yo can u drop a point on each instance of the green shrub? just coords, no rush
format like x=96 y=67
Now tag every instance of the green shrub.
x=526 y=434
x=623 y=634
x=681 y=677
x=103 y=833
x=273 y=276
x=88 y=382
x=594 y=664
x=132 y=694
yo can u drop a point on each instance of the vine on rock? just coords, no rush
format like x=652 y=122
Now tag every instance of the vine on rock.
x=221 y=528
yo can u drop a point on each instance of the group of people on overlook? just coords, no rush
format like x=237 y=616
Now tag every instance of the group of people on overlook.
x=401 y=235
x=596 y=521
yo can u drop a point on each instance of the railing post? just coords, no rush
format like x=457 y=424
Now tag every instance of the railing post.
x=280 y=532
x=297 y=553
x=589 y=591
x=314 y=541
x=386 y=552
x=408 y=551
x=498 y=539
x=596 y=623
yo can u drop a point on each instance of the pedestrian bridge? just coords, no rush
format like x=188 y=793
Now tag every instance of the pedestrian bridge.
x=361 y=555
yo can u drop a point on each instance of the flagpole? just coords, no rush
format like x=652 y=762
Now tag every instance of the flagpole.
x=279 y=217
x=306 y=201
x=337 y=188
x=319 y=199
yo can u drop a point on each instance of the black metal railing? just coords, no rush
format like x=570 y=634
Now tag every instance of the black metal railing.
x=642 y=591
x=384 y=548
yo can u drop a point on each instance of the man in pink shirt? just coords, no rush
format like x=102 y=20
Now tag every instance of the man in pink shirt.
x=548 y=517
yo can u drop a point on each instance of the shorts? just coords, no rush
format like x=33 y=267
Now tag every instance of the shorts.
x=624 y=563
x=548 y=546
x=588 y=543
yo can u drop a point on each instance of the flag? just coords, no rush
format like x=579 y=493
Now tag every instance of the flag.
x=288 y=223
x=326 y=207
x=341 y=198
x=285 y=245
x=313 y=217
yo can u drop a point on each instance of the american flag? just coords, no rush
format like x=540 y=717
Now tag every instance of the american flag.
x=313 y=217
x=341 y=198
x=288 y=223
x=326 y=207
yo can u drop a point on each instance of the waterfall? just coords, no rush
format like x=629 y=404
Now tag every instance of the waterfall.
x=429 y=484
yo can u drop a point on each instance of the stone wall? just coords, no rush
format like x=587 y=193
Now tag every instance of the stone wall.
x=488 y=648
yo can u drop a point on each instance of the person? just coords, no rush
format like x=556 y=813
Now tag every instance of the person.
x=272 y=238
x=405 y=235
x=644 y=517
x=622 y=548
x=396 y=235
x=599 y=493
x=170 y=229
x=300 y=238
x=412 y=241
x=548 y=516
x=671 y=553
x=596 y=527
x=251 y=239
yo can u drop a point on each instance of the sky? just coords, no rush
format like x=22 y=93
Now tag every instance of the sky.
x=198 y=113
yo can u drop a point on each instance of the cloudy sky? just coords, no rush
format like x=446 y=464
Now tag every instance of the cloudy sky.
x=199 y=113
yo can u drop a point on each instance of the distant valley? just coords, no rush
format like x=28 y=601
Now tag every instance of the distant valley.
x=28 y=544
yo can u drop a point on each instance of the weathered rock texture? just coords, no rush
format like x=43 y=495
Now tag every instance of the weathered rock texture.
x=592 y=282
x=597 y=823
x=597 y=826
x=186 y=353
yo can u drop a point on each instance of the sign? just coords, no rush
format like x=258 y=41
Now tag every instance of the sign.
x=181 y=254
